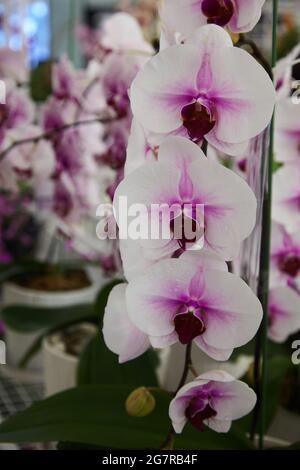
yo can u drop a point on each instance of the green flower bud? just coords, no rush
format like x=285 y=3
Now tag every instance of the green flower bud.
x=140 y=403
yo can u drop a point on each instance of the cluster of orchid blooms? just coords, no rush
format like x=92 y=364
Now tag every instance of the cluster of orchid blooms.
x=199 y=97
x=163 y=142
x=68 y=153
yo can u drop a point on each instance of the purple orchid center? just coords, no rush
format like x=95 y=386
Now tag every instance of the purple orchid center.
x=198 y=120
x=218 y=12
x=188 y=326
x=290 y=265
x=195 y=417
x=185 y=229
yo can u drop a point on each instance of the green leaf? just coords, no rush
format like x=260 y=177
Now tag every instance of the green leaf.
x=96 y=415
x=30 y=320
x=98 y=365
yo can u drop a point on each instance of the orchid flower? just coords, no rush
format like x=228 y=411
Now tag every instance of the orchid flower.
x=191 y=90
x=213 y=399
x=184 y=177
x=285 y=257
x=64 y=80
x=117 y=75
x=284 y=313
x=286 y=196
x=184 y=16
x=121 y=32
x=283 y=74
x=17 y=112
x=287 y=132
x=13 y=65
x=190 y=299
x=120 y=334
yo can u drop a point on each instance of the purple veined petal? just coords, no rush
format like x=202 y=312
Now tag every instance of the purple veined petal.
x=160 y=342
x=142 y=146
x=120 y=335
x=218 y=425
x=180 y=152
x=241 y=102
x=133 y=259
x=234 y=150
x=155 y=298
x=287 y=132
x=164 y=86
x=210 y=37
x=152 y=183
x=284 y=313
x=232 y=312
x=182 y=16
x=221 y=235
x=233 y=400
x=247 y=15
x=229 y=206
x=286 y=196
x=205 y=259
x=215 y=353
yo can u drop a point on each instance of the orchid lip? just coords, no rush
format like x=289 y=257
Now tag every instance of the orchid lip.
x=188 y=326
x=196 y=419
x=198 y=120
x=218 y=12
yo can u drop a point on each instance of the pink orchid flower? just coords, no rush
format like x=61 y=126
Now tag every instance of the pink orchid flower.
x=284 y=313
x=286 y=197
x=285 y=256
x=283 y=74
x=65 y=80
x=13 y=65
x=213 y=399
x=190 y=89
x=17 y=112
x=287 y=132
x=184 y=16
x=184 y=177
x=121 y=32
x=120 y=335
x=192 y=299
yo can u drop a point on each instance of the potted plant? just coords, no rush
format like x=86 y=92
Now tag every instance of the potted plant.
x=188 y=290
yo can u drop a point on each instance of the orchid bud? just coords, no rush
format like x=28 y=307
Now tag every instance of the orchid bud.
x=140 y=403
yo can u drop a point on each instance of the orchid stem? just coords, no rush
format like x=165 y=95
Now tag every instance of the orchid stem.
x=169 y=441
x=53 y=132
x=261 y=362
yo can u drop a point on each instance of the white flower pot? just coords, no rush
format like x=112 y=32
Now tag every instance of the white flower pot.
x=60 y=368
x=17 y=344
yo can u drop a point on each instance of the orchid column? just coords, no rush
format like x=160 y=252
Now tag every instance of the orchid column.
x=198 y=90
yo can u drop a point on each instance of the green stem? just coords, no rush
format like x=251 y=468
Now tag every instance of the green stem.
x=263 y=289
